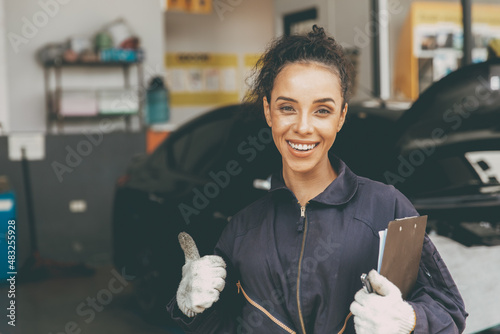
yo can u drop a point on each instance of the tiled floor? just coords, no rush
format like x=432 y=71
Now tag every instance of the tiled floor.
x=64 y=306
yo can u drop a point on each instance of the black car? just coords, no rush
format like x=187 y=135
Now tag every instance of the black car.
x=443 y=153
x=201 y=175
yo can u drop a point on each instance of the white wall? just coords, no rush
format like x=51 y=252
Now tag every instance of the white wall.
x=342 y=19
x=4 y=116
x=324 y=7
x=70 y=18
x=350 y=21
x=247 y=28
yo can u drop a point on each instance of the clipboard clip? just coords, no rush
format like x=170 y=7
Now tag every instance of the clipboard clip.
x=366 y=283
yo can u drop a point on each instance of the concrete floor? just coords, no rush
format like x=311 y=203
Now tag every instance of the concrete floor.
x=52 y=307
x=61 y=306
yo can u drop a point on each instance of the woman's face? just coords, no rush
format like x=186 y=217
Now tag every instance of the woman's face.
x=305 y=113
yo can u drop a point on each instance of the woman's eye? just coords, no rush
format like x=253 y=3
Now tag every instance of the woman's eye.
x=323 y=111
x=286 y=108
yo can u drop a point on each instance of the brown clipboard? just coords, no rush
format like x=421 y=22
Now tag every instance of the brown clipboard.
x=402 y=252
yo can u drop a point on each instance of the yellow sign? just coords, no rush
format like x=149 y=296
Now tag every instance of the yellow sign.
x=199 y=79
x=204 y=99
x=186 y=60
x=438 y=12
x=180 y=5
x=251 y=59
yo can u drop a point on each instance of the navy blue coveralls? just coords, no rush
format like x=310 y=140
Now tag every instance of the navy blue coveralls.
x=291 y=267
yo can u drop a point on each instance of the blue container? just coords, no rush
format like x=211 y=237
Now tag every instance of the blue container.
x=7 y=213
x=124 y=55
x=157 y=102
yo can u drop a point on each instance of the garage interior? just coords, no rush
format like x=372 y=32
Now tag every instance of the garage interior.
x=95 y=135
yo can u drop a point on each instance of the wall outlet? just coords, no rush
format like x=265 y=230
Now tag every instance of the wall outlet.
x=78 y=206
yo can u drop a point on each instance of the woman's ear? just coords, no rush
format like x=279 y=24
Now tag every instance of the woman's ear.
x=342 y=117
x=267 y=112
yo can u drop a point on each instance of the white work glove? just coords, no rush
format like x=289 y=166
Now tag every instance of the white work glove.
x=202 y=278
x=383 y=311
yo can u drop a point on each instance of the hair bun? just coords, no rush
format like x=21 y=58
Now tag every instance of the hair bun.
x=317 y=32
x=314 y=47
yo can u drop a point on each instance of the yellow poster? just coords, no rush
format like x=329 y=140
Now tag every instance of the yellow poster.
x=177 y=5
x=251 y=59
x=438 y=12
x=249 y=62
x=199 y=79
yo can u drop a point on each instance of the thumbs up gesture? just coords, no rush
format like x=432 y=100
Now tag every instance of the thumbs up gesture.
x=202 y=278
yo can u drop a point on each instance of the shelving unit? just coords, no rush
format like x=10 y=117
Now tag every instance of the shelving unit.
x=431 y=42
x=53 y=96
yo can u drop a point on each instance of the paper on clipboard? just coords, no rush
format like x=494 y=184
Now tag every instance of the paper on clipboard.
x=381 y=247
x=401 y=248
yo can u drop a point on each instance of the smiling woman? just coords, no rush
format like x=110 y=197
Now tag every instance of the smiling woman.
x=297 y=253
x=305 y=119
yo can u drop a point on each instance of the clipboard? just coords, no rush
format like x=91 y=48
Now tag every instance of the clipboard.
x=402 y=252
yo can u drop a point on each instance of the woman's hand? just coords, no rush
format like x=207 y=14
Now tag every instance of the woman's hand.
x=384 y=311
x=202 y=279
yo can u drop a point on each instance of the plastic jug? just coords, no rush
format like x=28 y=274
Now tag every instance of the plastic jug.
x=157 y=102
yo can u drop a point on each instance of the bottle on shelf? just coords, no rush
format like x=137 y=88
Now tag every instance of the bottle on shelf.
x=157 y=102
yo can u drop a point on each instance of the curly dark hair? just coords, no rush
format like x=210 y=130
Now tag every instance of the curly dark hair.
x=316 y=46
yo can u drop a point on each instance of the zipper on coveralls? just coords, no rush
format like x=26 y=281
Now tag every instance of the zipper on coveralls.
x=303 y=222
x=263 y=310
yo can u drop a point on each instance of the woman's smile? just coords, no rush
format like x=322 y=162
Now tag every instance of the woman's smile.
x=301 y=146
x=301 y=150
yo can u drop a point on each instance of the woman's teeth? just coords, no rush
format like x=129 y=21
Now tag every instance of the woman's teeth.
x=301 y=147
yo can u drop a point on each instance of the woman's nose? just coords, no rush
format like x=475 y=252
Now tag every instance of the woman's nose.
x=303 y=124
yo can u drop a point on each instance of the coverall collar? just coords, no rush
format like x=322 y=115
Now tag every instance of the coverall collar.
x=339 y=192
